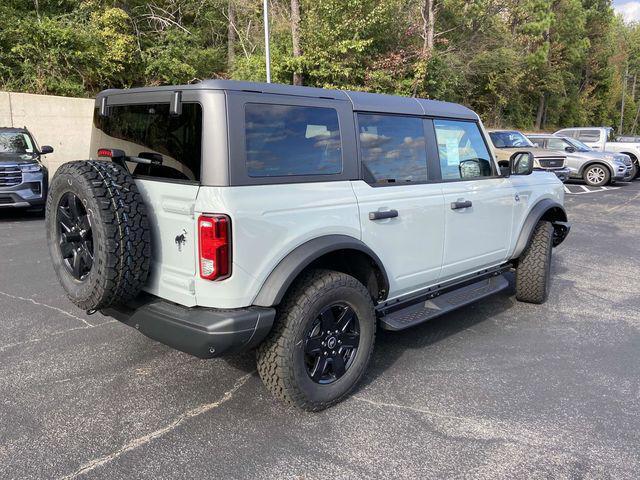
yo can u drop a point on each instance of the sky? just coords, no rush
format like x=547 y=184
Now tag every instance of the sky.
x=629 y=9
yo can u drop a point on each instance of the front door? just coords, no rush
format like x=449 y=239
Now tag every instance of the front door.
x=479 y=203
x=401 y=215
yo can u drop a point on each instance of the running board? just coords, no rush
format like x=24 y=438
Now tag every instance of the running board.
x=444 y=303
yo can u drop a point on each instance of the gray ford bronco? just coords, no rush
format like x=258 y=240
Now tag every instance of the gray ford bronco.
x=225 y=216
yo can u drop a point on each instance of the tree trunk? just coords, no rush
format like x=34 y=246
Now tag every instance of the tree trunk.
x=540 y=114
x=231 y=36
x=428 y=12
x=429 y=26
x=295 y=37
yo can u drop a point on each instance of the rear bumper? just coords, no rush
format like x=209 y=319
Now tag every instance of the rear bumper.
x=202 y=332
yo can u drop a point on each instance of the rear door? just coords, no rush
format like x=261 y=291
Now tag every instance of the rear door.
x=478 y=204
x=169 y=190
x=401 y=214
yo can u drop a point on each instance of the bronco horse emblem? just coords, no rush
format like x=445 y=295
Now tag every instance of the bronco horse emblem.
x=181 y=240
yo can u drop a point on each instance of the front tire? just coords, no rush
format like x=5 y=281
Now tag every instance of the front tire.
x=597 y=175
x=533 y=275
x=321 y=343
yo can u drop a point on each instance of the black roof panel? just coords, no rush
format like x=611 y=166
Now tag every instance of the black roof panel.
x=361 y=101
x=13 y=130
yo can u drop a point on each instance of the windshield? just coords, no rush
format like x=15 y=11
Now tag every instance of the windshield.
x=12 y=143
x=509 y=140
x=578 y=145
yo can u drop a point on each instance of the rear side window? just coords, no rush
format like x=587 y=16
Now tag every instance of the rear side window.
x=145 y=129
x=568 y=133
x=588 y=135
x=392 y=149
x=463 y=153
x=286 y=140
x=556 y=144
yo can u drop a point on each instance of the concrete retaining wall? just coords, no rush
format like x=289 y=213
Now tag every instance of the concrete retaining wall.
x=62 y=122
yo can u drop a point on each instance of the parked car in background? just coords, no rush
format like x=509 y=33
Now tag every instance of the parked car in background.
x=602 y=139
x=23 y=177
x=507 y=142
x=595 y=168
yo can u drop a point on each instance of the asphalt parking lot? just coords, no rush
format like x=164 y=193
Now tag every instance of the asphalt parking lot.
x=498 y=389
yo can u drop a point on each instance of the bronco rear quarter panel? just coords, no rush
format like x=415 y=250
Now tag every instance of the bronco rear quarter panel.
x=268 y=222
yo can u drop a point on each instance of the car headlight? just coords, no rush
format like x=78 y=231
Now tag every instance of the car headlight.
x=30 y=167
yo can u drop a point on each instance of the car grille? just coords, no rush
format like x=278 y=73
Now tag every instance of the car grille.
x=551 y=162
x=10 y=175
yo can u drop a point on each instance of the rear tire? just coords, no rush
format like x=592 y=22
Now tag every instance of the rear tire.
x=533 y=275
x=293 y=363
x=98 y=233
x=596 y=175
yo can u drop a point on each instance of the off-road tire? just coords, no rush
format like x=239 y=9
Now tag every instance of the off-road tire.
x=533 y=274
x=606 y=179
x=120 y=230
x=280 y=356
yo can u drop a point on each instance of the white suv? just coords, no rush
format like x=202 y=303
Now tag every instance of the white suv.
x=228 y=216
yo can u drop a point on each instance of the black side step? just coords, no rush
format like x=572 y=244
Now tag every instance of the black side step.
x=423 y=311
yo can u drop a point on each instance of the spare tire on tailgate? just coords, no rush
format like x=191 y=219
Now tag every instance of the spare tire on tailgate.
x=98 y=233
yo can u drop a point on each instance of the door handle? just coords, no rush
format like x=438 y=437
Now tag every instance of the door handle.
x=378 y=215
x=461 y=204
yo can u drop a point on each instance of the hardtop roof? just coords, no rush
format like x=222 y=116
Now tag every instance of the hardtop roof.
x=14 y=130
x=361 y=101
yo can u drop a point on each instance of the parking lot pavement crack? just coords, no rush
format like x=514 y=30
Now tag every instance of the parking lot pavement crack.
x=61 y=332
x=64 y=312
x=145 y=439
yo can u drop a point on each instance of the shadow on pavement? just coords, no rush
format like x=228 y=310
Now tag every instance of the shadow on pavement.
x=19 y=215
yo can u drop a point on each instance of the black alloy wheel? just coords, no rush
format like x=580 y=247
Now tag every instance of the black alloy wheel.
x=331 y=343
x=75 y=236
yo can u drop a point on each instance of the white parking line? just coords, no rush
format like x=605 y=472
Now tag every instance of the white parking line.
x=582 y=189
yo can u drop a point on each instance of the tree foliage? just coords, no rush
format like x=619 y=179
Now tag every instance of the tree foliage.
x=522 y=63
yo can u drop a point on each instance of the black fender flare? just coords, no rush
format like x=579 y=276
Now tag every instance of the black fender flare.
x=283 y=275
x=550 y=210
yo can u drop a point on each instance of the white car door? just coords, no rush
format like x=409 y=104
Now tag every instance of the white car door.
x=401 y=215
x=479 y=204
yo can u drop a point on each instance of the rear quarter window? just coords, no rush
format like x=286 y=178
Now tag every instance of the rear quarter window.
x=588 y=135
x=287 y=140
x=149 y=128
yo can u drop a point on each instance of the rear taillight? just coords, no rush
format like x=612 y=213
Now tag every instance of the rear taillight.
x=214 y=239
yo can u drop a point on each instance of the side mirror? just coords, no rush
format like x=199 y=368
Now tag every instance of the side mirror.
x=569 y=149
x=46 y=149
x=521 y=163
x=469 y=168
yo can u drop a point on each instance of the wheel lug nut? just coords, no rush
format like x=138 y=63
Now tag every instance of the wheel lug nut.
x=333 y=353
